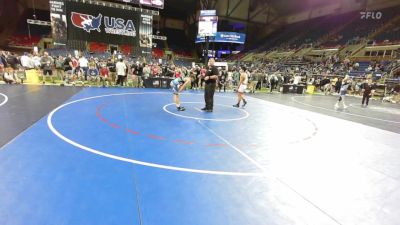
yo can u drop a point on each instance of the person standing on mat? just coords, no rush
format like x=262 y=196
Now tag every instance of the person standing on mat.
x=244 y=79
x=369 y=88
x=178 y=85
x=210 y=80
x=343 y=91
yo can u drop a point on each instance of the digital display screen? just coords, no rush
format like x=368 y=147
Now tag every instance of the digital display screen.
x=208 y=25
x=225 y=37
x=208 y=12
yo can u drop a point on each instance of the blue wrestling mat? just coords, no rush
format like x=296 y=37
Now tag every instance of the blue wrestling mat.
x=127 y=156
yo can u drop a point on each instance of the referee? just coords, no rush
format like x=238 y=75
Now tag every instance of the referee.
x=211 y=82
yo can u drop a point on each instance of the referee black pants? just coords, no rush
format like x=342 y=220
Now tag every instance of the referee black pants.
x=209 y=95
x=366 y=97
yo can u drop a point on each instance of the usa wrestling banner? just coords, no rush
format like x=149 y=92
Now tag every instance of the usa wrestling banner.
x=98 y=23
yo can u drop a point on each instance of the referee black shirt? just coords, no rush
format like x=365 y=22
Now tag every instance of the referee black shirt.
x=211 y=72
x=210 y=88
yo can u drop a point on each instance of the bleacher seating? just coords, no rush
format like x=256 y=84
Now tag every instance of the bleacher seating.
x=179 y=43
x=361 y=28
x=159 y=44
x=177 y=39
x=281 y=36
x=391 y=35
x=322 y=27
x=158 y=53
x=183 y=54
x=55 y=52
x=98 y=47
x=183 y=62
x=25 y=35
x=20 y=40
x=361 y=70
x=126 y=49
x=33 y=30
x=336 y=30
x=363 y=66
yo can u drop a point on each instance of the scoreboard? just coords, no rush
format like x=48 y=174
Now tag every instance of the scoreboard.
x=208 y=23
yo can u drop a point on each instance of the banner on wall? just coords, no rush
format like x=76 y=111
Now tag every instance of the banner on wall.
x=146 y=34
x=58 y=20
x=225 y=37
x=105 y=24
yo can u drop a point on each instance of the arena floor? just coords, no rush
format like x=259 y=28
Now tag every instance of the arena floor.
x=126 y=156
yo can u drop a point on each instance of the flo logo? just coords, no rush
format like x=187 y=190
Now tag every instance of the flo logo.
x=371 y=15
x=86 y=22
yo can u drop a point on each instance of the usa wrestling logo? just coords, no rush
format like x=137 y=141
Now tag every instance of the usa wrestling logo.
x=86 y=22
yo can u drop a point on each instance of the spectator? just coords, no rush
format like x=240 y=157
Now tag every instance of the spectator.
x=368 y=88
x=93 y=72
x=68 y=69
x=84 y=65
x=297 y=79
x=47 y=67
x=192 y=75
x=196 y=72
x=77 y=75
x=146 y=72
x=203 y=72
x=139 y=73
x=13 y=61
x=178 y=73
x=26 y=61
x=36 y=61
x=105 y=74
x=156 y=70
x=59 y=63
x=229 y=80
x=222 y=81
x=1 y=68
x=356 y=66
x=121 y=72
x=170 y=71
x=273 y=82
x=236 y=76
x=127 y=71
x=31 y=62
x=9 y=76
x=112 y=69
x=68 y=65
x=259 y=77
x=3 y=59
x=75 y=63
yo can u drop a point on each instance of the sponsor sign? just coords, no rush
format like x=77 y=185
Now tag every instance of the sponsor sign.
x=225 y=37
